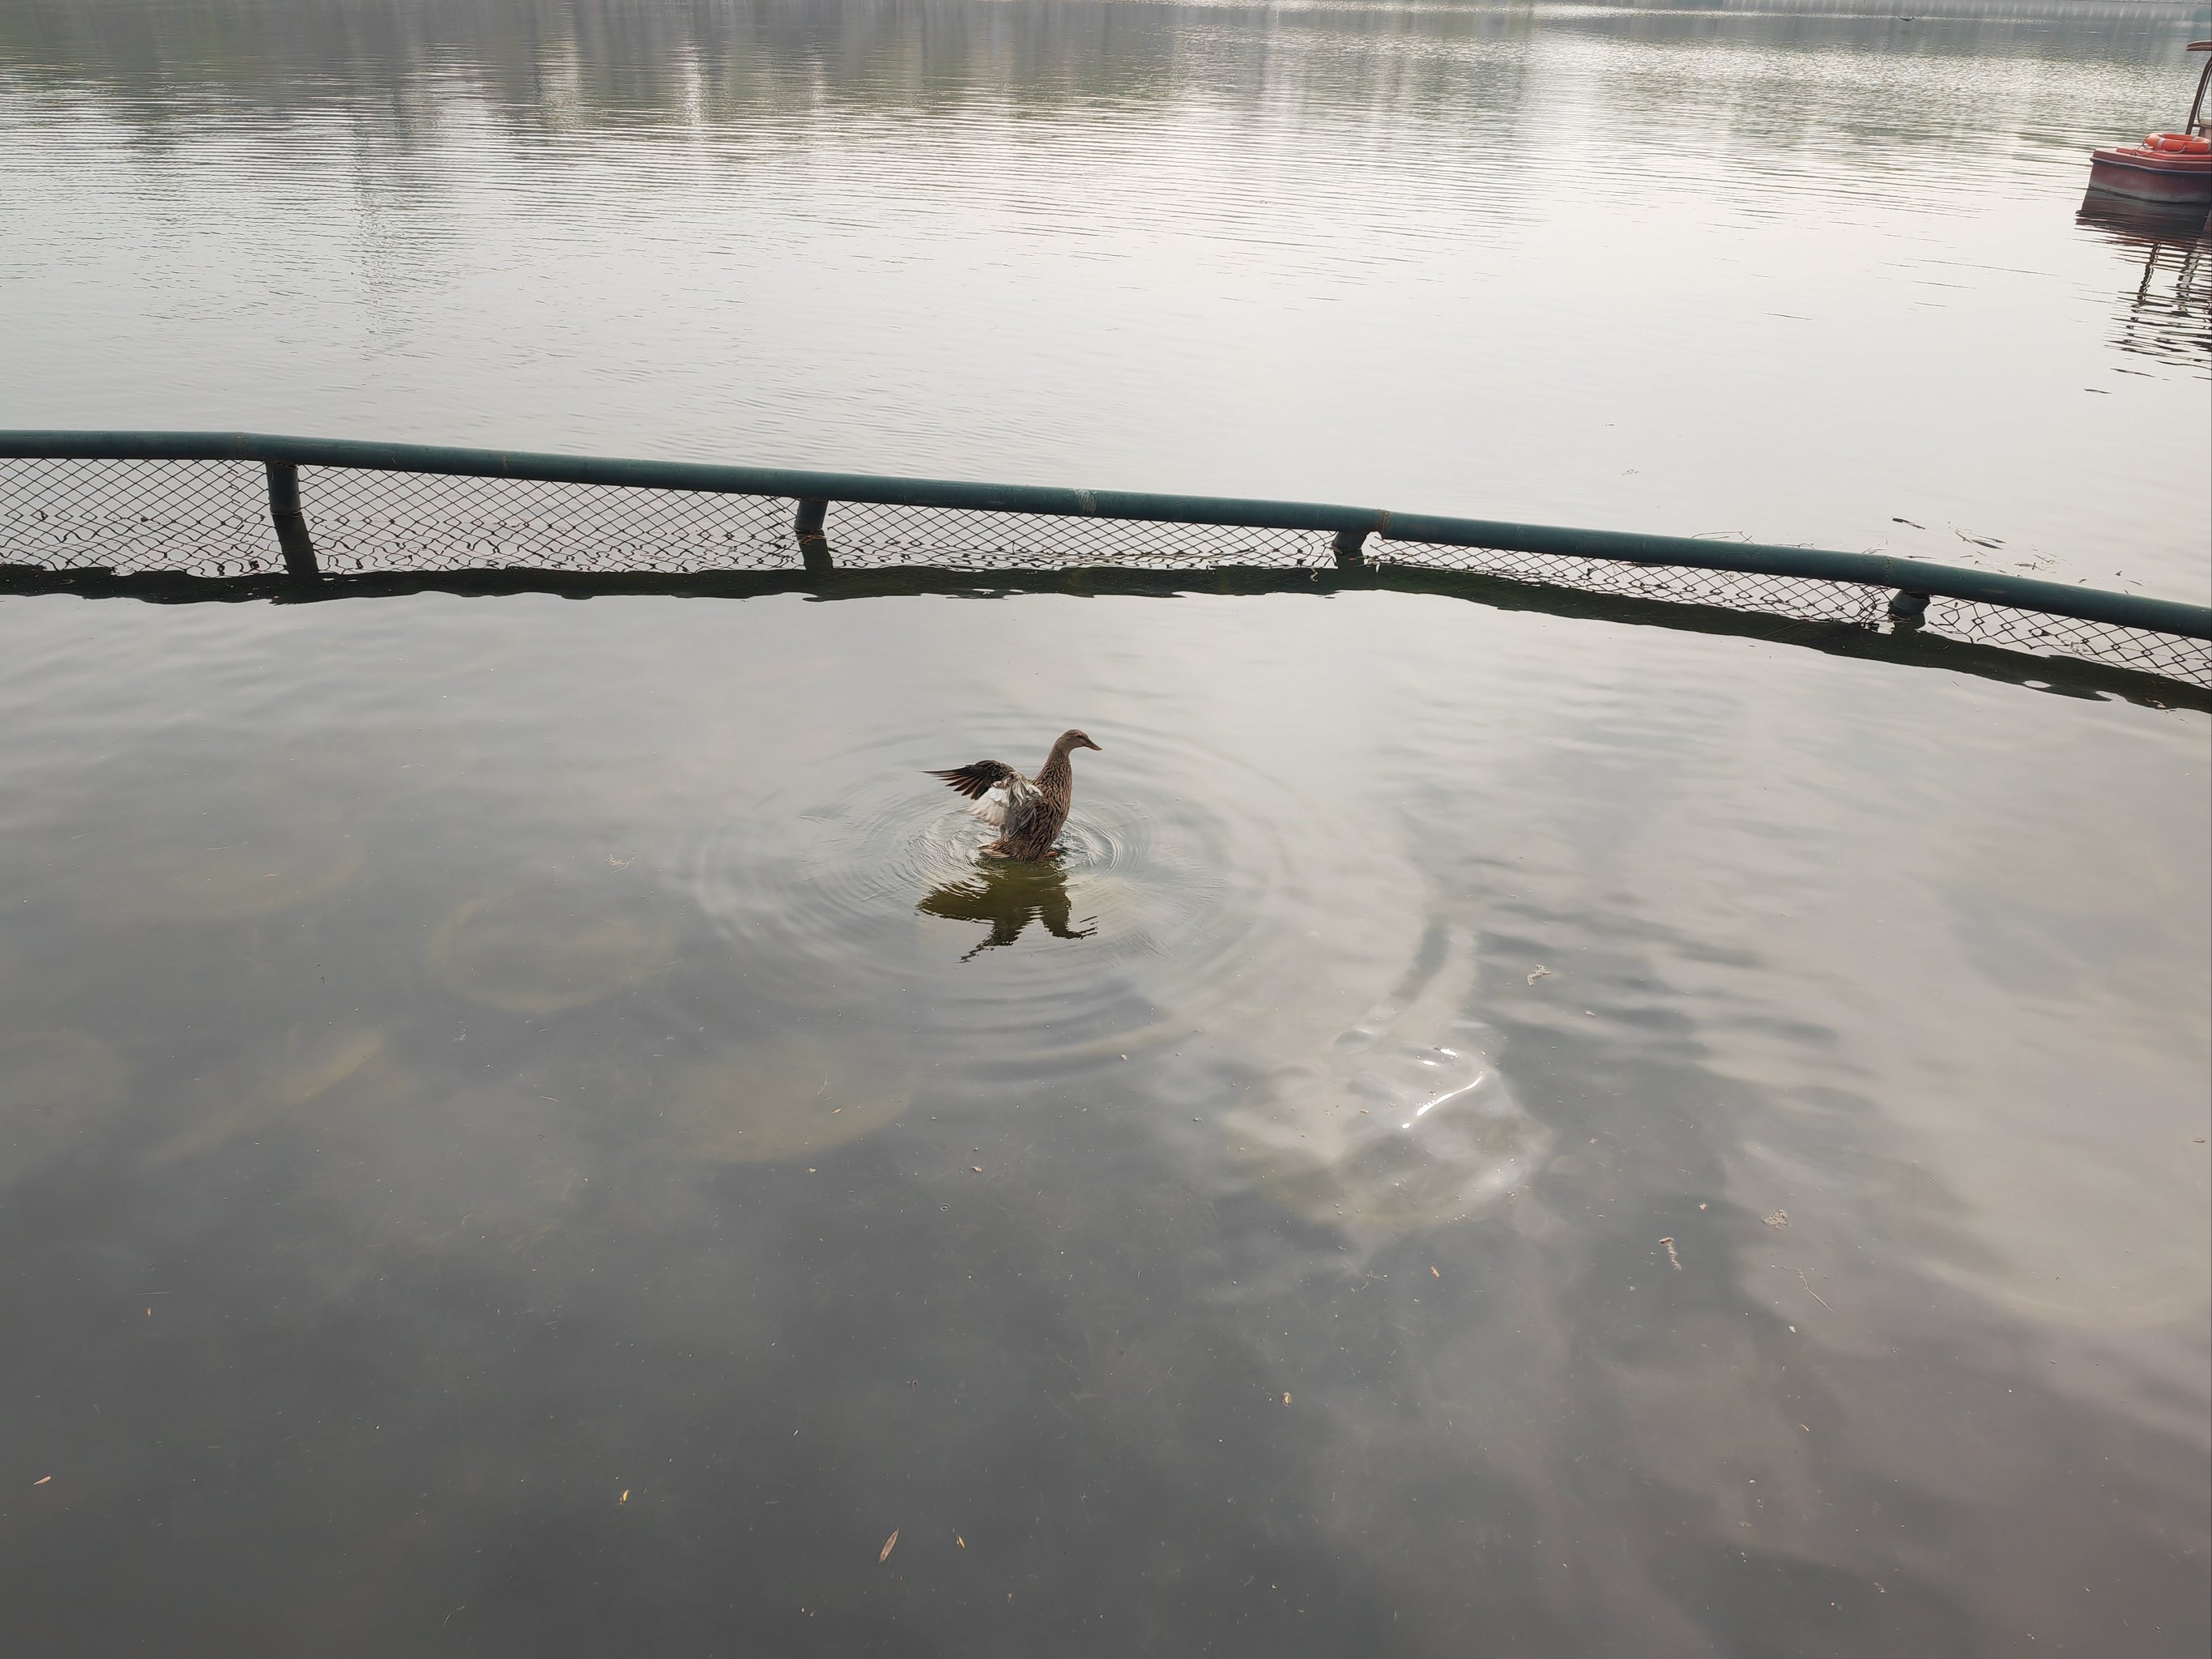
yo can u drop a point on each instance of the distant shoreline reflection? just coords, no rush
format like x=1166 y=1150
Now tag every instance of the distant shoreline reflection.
x=1006 y=898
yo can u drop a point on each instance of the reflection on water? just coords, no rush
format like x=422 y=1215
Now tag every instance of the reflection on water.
x=1402 y=1120
x=1630 y=264
x=1194 y=905
x=528 y=1126
x=2168 y=312
x=1336 y=1215
x=1006 y=897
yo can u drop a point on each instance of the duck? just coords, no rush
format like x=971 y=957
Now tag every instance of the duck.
x=1027 y=812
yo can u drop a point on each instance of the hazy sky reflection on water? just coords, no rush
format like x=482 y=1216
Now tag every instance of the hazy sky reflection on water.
x=1802 y=274
x=525 y=1127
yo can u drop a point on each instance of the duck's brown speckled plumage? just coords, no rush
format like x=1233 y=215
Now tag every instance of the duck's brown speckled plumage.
x=1035 y=808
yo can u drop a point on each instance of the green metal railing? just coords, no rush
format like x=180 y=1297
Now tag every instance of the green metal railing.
x=179 y=515
x=1912 y=580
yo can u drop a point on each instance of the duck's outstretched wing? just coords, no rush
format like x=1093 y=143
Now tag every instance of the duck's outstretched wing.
x=990 y=785
x=978 y=779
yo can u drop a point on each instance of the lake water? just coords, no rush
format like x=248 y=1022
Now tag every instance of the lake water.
x=1798 y=274
x=527 y=1127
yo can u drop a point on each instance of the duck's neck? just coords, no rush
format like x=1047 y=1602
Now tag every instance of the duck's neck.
x=1056 y=770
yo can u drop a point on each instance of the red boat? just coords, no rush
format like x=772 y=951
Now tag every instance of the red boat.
x=2167 y=166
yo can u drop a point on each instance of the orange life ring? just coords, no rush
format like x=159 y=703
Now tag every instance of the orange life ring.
x=2179 y=143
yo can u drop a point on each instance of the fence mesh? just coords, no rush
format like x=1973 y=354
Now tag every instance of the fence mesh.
x=1735 y=589
x=212 y=519
x=876 y=536
x=362 y=521
x=2172 y=655
x=209 y=518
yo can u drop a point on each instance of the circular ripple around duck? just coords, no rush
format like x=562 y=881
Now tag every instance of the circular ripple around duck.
x=1189 y=886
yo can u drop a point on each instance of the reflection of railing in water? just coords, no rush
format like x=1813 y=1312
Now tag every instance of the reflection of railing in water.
x=228 y=506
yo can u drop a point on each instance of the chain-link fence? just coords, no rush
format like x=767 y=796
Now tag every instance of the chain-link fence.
x=197 y=517
x=221 y=518
x=2148 y=651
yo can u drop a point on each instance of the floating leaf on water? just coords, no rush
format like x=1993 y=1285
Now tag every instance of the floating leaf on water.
x=888 y=1542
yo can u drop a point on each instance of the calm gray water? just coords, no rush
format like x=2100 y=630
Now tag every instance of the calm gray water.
x=526 y=1126
x=1796 y=274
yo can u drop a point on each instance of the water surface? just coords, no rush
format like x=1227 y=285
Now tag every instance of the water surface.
x=529 y=1127
x=1802 y=274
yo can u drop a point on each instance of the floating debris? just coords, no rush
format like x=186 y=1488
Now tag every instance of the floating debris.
x=888 y=1542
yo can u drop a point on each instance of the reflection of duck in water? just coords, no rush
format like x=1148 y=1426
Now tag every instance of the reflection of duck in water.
x=1007 y=898
x=1027 y=812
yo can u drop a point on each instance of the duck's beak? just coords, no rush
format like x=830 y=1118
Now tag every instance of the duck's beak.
x=1087 y=743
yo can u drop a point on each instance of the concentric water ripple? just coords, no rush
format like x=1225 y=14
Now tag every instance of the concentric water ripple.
x=1169 y=913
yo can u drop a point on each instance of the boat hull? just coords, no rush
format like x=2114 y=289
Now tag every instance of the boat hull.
x=2151 y=175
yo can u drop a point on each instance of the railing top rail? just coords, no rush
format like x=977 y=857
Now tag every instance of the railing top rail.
x=1872 y=569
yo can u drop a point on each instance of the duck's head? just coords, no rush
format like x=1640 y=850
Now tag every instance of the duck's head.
x=1070 y=740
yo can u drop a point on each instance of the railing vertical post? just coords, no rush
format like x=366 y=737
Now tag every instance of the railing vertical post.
x=813 y=543
x=291 y=523
x=1349 y=546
